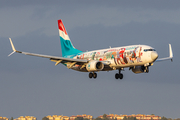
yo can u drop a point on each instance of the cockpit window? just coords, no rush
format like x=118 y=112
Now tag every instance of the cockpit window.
x=145 y=50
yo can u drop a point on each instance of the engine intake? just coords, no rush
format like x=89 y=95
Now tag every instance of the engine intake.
x=94 y=66
x=138 y=69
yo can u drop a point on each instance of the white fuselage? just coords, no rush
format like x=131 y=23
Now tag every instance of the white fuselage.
x=119 y=57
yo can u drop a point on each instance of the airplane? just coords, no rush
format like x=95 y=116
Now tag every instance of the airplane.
x=137 y=58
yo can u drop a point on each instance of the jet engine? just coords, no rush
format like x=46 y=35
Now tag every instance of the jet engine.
x=139 y=69
x=93 y=66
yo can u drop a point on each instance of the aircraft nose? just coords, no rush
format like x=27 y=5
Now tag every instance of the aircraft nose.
x=154 y=55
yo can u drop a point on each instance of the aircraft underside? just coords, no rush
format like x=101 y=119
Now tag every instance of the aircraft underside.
x=136 y=68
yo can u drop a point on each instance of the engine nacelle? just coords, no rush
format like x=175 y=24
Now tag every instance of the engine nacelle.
x=138 y=69
x=94 y=66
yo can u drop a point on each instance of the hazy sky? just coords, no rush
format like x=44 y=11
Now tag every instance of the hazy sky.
x=36 y=87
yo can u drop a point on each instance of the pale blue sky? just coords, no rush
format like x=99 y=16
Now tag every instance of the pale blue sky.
x=34 y=86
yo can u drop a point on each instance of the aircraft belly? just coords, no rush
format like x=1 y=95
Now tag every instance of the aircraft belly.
x=128 y=65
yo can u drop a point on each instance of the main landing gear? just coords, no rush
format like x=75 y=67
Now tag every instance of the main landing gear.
x=94 y=75
x=120 y=75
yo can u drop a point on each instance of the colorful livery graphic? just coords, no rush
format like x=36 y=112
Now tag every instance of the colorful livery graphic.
x=137 y=58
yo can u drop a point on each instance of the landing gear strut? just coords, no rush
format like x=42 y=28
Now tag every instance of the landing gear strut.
x=94 y=75
x=119 y=75
x=146 y=70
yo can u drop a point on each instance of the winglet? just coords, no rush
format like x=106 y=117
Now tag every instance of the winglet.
x=13 y=48
x=167 y=58
x=170 y=52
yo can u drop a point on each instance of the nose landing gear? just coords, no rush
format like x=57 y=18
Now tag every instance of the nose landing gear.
x=119 y=75
x=146 y=70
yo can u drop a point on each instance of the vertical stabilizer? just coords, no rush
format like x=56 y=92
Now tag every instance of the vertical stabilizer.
x=66 y=45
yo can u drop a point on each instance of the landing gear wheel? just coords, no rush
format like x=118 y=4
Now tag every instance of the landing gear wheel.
x=116 y=75
x=146 y=70
x=121 y=76
x=95 y=75
x=90 y=75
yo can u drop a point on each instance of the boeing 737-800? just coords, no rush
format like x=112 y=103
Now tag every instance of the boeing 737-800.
x=137 y=58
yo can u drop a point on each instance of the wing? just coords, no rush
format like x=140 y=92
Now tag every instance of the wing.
x=167 y=58
x=52 y=58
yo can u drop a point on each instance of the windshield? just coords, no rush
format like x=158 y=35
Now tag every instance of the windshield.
x=149 y=50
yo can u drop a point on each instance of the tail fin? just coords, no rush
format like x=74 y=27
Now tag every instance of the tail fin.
x=66 y=45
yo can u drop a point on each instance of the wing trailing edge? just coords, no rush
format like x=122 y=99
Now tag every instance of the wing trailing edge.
x=52 y=58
